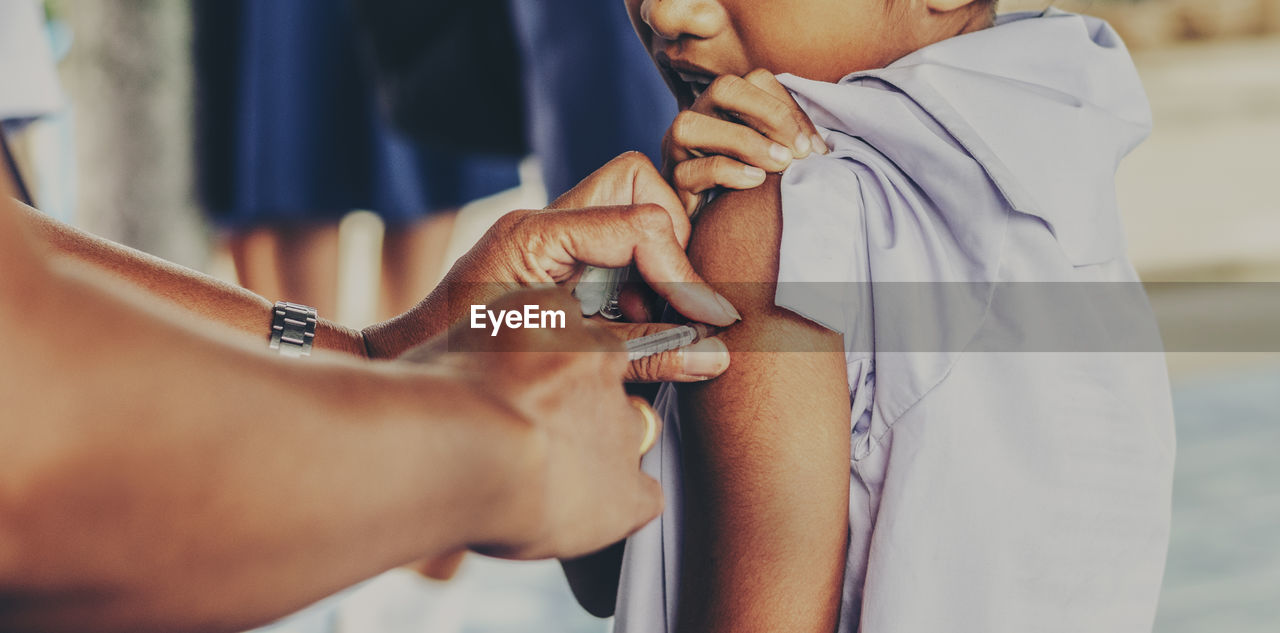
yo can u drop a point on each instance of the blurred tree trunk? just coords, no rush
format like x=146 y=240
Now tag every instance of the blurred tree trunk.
x=129 y=76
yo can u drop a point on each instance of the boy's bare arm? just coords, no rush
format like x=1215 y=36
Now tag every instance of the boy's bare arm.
x=766 y=446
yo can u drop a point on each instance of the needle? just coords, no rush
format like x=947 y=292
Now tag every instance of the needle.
x=667 y=340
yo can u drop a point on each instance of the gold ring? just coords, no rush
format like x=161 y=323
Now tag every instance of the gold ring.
x=650 y=423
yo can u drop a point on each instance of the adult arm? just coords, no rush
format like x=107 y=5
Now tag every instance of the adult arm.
x=766 y=446
x=159 y=478
x=622 y=214
x=210 y=298
x=154 y=476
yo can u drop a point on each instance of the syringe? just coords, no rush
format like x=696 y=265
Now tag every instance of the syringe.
x=598 y=289
x=667 y=340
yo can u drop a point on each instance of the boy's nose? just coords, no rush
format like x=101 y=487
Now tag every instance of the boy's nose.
x=673 y=19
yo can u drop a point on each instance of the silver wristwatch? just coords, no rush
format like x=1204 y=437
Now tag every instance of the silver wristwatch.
x=293 y=329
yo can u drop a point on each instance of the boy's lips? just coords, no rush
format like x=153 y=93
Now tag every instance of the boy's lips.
x=697 y=83
x=690 y=76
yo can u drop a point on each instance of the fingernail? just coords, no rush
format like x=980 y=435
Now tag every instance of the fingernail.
x=707 y=358
x=780 y=153
x=803 y=146
x=728 y=307
x=753 y=174
x=819 y=145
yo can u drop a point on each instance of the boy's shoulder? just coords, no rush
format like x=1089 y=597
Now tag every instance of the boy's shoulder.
x=1030 y=115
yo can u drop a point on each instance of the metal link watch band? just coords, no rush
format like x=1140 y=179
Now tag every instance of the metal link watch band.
x=293 y=329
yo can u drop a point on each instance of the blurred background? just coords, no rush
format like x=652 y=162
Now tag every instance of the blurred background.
x=178 y=133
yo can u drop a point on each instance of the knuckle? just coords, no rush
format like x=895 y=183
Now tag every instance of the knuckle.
x=681 y=126
x=722 y=86
x=649 y=368
x=509 y=221
x=524 y=230
x=782 y=113
x=801 y=120
x=722 y=163
x=631 y=158
x=669 y=144
x=681 y=173
x=758 y=74
x=686 y=173
x=650 y=218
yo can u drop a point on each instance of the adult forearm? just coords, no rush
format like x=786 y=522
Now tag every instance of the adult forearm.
x=473 y=280
x=144 y=495
x=214 y=300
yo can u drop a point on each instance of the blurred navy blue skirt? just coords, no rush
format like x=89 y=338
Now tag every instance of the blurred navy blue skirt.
x=289 y=130
x=590 y=86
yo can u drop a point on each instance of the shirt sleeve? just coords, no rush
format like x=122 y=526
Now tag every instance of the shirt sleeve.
x=823 y=271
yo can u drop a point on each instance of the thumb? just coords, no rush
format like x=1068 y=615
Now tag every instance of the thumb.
x=701 y=361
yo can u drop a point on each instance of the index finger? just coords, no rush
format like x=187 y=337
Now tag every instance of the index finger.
x=769 y=83
x=665 y=266
x=614 y=237
x=699 y=361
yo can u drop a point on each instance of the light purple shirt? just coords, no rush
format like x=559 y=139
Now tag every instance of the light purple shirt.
x=998 y=482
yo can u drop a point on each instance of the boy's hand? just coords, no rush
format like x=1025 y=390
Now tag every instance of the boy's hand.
x=736 y=131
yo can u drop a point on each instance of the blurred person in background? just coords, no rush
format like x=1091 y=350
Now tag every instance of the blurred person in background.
x=27 y=57
x=564 y=80
x=291 y=139
x=591 y=92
